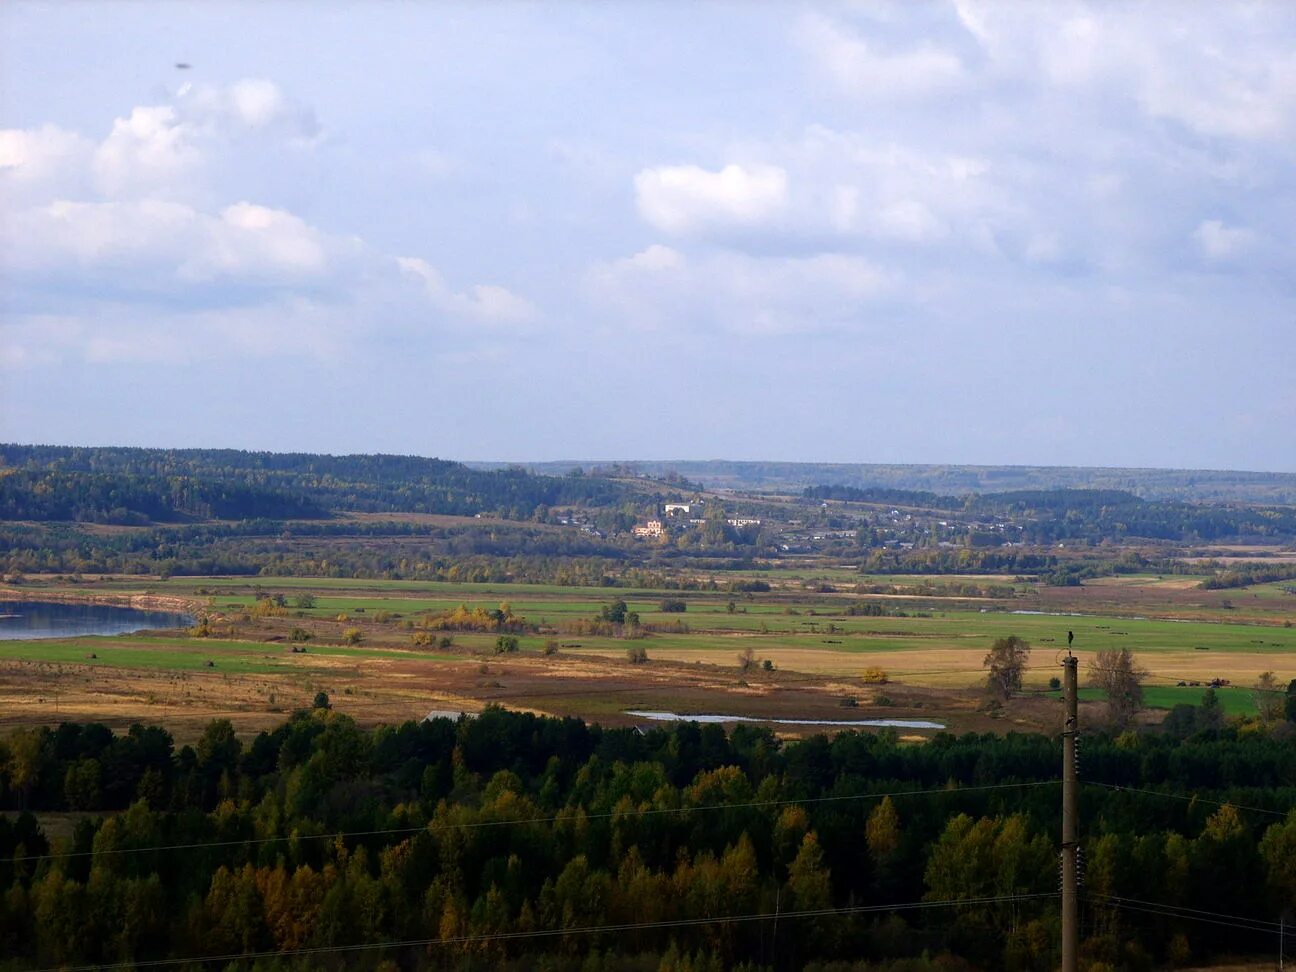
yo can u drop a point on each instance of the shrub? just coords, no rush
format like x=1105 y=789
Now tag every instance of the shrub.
x=506 y=643
x=636 y=654
x=353 y=636
x=304 y=601
x=550 y=648
x=299 y=634
x=767 y=665
x=476 y=619
x=321 y=701
x=673 y=605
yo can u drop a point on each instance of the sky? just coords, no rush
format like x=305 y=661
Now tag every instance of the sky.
x=949 y=232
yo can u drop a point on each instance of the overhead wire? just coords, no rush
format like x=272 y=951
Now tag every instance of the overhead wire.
x=1190 y=914
x=1183 y=797
x=624 y=927
x=434 y=826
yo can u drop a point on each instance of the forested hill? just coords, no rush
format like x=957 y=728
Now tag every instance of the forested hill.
x=1192 y=485
x=128 y=485
x=1090 y=514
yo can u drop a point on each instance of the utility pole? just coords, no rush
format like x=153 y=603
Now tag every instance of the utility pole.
x=1070 y=820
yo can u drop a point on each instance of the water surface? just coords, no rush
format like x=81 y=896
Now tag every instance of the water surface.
x=27 y=620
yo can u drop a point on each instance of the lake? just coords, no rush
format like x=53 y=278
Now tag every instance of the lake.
x=834 y=723
x=26 y=620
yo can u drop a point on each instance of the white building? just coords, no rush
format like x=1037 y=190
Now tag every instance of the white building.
x=653 y=528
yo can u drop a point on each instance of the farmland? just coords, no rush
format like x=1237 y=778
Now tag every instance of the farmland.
x=801 y=648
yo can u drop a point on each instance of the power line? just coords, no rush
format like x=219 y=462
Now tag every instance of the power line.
x=555 y=932
x=1191 y=914
x=433 y=826
x=1184 y=797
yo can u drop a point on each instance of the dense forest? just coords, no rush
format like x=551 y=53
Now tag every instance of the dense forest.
x=513 y=841
x=361 y=483
x=131 y=500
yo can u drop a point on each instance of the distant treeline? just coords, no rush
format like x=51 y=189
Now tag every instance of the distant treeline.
x=1248 y=574
x=409 y=551
x=364 y=483
x=1052 y=515
x=498 y=553
x=463 y=834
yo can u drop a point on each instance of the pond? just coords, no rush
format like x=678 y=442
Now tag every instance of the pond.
x=834 y=723
x=26 y=620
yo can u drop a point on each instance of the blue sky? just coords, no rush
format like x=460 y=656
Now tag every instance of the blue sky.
x=929 y=232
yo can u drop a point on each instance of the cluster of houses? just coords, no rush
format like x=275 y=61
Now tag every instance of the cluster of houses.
x=690 y=513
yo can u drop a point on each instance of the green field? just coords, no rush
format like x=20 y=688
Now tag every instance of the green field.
x=186 y=654
x=1233 y=700
x=799 y=631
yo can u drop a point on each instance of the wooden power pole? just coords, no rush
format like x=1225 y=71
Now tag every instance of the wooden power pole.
x=1070 y=820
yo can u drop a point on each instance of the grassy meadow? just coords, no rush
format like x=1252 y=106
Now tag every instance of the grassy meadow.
x=798 y=626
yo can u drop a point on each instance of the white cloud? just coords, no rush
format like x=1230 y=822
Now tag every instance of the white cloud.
x=114 y=250
x=832 y=184
x=485 y=303
x=252 y=105
x=865 y=69
x=161 y=246
x=147 y=152
x=1220 y=242
x=161 y=150
x=684 y=199
x=39 y=157
x=1216 y=70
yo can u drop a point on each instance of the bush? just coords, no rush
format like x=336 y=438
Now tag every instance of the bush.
x=550 y=648
x=767 y=665
x=673 y=605
x=304 y=601
x=636 y=654
x=299 y=634
x=353 y=636
x=321 y=701
x=506 y=643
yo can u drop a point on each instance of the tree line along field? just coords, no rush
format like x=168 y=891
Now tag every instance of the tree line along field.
x=792 y=650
